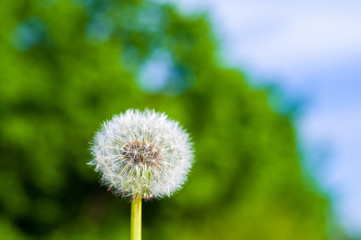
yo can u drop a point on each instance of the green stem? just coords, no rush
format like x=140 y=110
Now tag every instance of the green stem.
x=136 y=218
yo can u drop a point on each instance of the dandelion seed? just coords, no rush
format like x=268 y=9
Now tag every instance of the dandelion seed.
x=142 y=154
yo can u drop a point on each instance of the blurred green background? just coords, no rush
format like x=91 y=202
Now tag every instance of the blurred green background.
x=68 y=65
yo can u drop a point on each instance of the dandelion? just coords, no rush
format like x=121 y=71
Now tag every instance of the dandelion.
x=142 y=155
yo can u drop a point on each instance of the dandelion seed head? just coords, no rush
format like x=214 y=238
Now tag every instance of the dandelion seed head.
x=142 y=153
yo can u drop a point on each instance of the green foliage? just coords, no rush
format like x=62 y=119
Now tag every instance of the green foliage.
x=69 y=65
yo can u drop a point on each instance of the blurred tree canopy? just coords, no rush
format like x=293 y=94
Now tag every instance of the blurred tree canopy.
x=67 y=65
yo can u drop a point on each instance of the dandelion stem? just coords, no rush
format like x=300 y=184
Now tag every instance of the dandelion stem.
x=136 y=218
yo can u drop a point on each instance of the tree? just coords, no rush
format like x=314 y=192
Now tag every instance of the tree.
x=68 y=65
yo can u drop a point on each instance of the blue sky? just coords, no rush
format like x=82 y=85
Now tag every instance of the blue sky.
x=312 y=49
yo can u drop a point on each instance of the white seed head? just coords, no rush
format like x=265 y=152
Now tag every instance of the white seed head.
x=142 y=153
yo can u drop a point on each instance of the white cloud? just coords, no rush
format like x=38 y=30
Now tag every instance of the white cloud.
x=273 y=36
